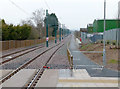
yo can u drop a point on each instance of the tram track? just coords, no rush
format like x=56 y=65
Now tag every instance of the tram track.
x=32 y=49
x=40 y=71
x=24 y=65
x=3 y=56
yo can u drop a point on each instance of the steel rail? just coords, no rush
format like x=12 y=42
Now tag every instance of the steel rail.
x=18 y=51
x=5 y=61
x=24 y=65
x=38 y=75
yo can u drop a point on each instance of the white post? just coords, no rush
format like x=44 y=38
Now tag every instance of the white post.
x=104 y=51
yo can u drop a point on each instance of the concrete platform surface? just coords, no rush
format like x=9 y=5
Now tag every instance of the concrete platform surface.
x=3 y=73
x=19 y=79
x=81 y=78
x=74 y=78
x=48 y=79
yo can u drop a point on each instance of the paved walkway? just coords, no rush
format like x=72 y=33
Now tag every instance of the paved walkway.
x=80 y=61
x=75 y=78
x=86 y=74
x=81 y=78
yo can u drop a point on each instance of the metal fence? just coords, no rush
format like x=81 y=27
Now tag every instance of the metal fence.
x=96 y=37
x=112 y=35
x=84 y=37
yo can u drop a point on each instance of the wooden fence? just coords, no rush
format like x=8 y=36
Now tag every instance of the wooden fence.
x=6 y=45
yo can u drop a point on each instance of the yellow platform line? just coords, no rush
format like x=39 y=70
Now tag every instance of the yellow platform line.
x=87 y=81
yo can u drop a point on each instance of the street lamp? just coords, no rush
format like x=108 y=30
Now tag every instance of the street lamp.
x=104 y=51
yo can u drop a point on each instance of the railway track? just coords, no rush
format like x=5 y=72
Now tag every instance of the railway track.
x=7 y=60
x=39 y=73
x=24 y=65
x=18 y=51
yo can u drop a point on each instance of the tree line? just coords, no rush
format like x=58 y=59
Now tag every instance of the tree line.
x=11 y=32
x=32 y=28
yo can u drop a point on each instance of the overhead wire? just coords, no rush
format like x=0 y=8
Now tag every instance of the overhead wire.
x=19 y=7
x=49 y=7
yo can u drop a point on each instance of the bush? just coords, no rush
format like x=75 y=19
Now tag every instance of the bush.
x=114 y=43
x=10 y=32
x=108 y=42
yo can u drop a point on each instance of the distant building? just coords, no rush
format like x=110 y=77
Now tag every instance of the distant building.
x=98 y=25
x=90 y=28
x=83 y=30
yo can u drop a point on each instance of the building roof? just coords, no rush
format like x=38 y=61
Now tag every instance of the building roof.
x=107 y=19
x=83 y=29
x=90 y=25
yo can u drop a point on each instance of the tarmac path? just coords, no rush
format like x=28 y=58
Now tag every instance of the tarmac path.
x=80 y=61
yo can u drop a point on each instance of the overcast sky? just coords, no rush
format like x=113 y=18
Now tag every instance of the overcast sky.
x=75 y=14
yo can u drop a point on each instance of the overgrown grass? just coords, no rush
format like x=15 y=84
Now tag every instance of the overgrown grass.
x=86 y=46
x=113 y=61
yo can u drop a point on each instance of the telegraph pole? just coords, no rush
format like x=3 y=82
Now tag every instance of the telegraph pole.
x=60 y=33
x=104 y=51
x=47 y=38
x=55 y=35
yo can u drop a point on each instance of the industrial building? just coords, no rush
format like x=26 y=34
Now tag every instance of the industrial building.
x=98 y=25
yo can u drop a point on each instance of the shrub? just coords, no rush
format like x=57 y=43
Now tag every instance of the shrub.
x=108 y=42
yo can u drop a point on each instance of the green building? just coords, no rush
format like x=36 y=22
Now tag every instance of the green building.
x=98 y=25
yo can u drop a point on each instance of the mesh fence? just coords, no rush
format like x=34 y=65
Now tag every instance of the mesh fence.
x=113 y=36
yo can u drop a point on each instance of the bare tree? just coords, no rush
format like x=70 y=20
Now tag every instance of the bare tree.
x=37 y=24
x=38 y=20
x=34 y=32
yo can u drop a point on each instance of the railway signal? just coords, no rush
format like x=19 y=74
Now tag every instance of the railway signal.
x=46 y=67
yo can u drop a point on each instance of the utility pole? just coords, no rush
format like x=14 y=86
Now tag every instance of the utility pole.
x=55 y=34
x=60 y=33
x=47 y=38
x=104 y=51
x=118 y=14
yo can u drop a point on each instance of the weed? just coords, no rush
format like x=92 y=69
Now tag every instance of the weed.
x=113 y=61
